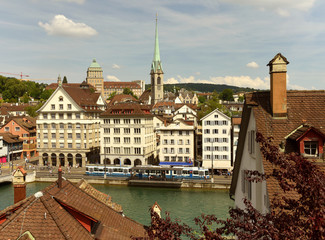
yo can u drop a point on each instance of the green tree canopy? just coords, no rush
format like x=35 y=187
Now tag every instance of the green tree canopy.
x=227 y=95
x=65 y=80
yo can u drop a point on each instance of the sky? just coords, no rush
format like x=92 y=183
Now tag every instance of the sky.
x=212 y=41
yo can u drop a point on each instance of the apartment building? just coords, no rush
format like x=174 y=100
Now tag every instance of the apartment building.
x=176 y=143
x=11 y=147
x=127 y=135
x=216 y=141
x=25 y=128
x=68 y=126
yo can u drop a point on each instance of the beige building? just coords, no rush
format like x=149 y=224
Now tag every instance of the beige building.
x=95 y=76
x=127 y=135
x=68 y=126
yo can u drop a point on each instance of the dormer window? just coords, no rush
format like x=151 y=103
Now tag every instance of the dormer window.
x=60 y=99
x=311 y=148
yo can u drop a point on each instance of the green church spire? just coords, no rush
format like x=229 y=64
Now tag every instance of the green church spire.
x=156 y=64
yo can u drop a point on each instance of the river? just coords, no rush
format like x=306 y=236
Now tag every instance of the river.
x=183 y=204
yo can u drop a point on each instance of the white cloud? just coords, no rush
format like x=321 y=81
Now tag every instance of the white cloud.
x=252 y=65
x=73 y=1
x=115 y=66
x=62 y=26
x=238 y=81
x=112 y=78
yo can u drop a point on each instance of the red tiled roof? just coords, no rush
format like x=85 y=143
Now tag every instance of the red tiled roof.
x=52 y=215
x=236 y=120
x=10 y=138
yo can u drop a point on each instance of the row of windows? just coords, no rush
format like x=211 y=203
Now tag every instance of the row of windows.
x=127 y=150
x=125 y=121
x=216 y=140
x=61 y=126
x=175 y=132
x=61 y=116
x=218 y=157
x=61 y=135
x=211 y=123
x=125 y=130
x=215 y=131
x=61 y=145
x=17 y=129
x=217 y=148
x=179 y=150
x=179 y=142
x=174 y=159
x=126 y=140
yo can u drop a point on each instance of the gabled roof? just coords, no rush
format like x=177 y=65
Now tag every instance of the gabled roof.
x=301 y=131
x=53 y=214
x=213 y=112
x=26 y=122
x=304 y=107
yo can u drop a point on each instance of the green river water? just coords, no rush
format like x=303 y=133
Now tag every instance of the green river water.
x=183 y=204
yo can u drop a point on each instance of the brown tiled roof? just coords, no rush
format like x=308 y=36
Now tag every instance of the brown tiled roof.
x=127 y=109
x=51 y=215
x=122 y=85
x=122 y=98
x=145 y=95
x=54 y=86
x=236 y=120
x=84 y=97
x=26 y=122
x=104 y=198
x=303 y=108
x=10 y=138
x=175 y=105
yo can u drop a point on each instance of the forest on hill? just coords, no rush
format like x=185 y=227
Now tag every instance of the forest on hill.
x=203 y=87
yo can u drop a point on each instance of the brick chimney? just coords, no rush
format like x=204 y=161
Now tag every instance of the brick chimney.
x=60 y=177
x=278 y=85
x=19 y=184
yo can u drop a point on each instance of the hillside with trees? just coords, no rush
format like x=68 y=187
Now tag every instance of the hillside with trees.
x=203 y=87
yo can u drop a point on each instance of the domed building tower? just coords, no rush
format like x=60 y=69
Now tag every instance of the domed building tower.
x=95 y=76
x=157 y=74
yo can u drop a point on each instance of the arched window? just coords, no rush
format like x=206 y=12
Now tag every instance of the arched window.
x=127 y=161
x=137 y=162
x=158 y=80
x=45 y=159
x=60 y=99
x=70 y=160
x=79 y=160
x=53 y=159
x=61 y=157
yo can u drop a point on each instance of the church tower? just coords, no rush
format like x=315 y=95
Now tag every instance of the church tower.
x=157 y=74
x=95 y=76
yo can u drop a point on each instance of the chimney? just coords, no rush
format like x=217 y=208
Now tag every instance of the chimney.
x=60 y=177
x=19 y=184
x=278 y=85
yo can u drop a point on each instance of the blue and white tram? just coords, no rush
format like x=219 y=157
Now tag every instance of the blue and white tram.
x=176 y=172
x=114 y=171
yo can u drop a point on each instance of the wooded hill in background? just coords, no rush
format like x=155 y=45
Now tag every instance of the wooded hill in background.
x=203 y=87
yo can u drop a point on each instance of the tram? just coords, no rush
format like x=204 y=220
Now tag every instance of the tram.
x=149 y=171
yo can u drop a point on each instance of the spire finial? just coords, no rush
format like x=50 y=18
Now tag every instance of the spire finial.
x=156 y=64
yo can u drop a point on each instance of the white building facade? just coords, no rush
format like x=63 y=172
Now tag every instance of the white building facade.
x=68 y=127
x=127 y=135
x=176 y=143
x=216 y=141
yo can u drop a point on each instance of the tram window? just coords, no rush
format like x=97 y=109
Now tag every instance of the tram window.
x=185 y=172
x=110 y=170
x=115 y=170
x=195 y=172
x=125 y=171
x=120 y=170
x=152 y=171
x=101 y=170
x=167 y=172
x=206 y=173
x=174 y=172
x=96 y=169
x=179 y=172
x=91 y=169
x=147 y=171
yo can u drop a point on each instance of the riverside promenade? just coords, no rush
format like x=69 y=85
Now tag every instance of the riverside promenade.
x=49 y=174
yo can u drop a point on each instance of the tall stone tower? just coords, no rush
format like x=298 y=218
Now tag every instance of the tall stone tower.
x=156 y=73
x=95 y=76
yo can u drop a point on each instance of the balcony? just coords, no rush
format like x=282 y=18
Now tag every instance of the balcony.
x=29 y=146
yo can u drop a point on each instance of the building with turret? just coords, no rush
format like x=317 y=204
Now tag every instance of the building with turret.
x=95 y=76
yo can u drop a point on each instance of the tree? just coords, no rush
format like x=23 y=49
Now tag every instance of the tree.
x=299 y=215
x=65 y=80
x=227 y=95
x=46 y=94
x=111 y=95
x=31 y=110
x=128 y=91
